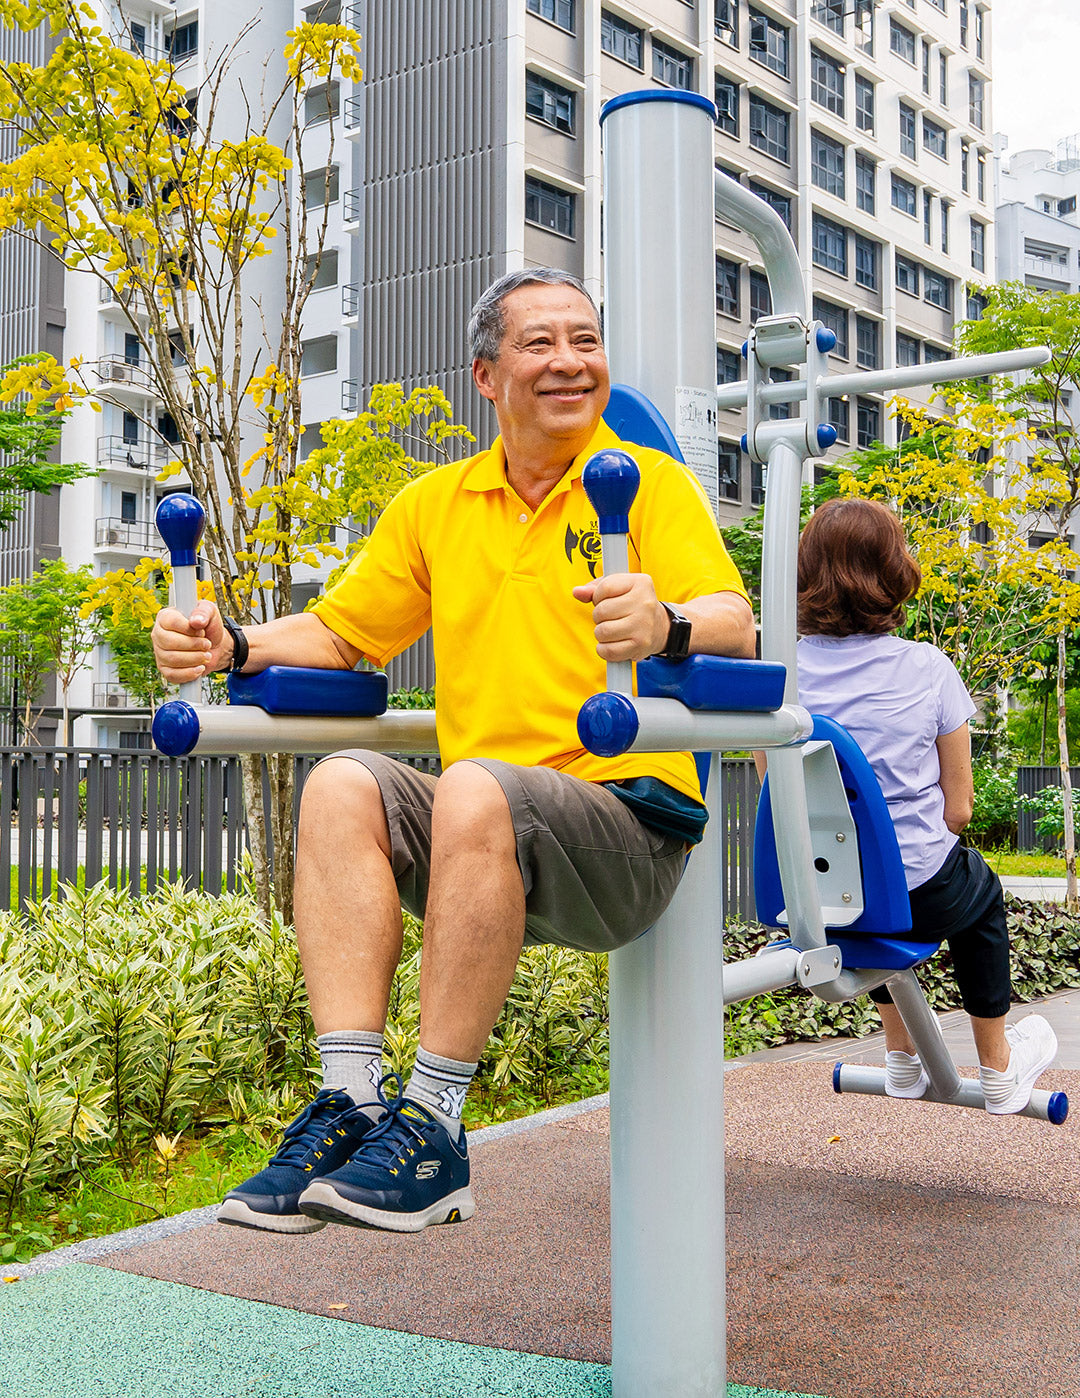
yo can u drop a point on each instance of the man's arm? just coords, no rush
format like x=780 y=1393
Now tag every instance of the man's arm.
x=186 y=648
x=632 y=625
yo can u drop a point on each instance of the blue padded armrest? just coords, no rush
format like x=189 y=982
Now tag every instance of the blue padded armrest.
x=714 y=682
x=302 y=691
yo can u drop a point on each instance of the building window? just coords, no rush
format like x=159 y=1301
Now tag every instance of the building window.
x=321 y=270
x=902 y=41
x=937 y=289
x=927 y=215
x=867 y=262
x=834 y=318
x=769 y=128
x=980 y=21
x=965 y=167
x=904 y=196
x=560 y=12
x=780 y=412
x=318 y=356
x=976 y=304
x=976 y=94
x=729 y=365
x=321 y=103
x=830 y=13
x=183 y=41
x=757 y=483
x=907 y=351
x=827 y=81
x=963 y=24
x=726 y=21
x=760 y=296
x=728 y=459
x=129 y=503
x=935 y=354
x=935 y=138
x=945 y=207
x=830 y=245
x=623 y=40
x=978 y=245
x=907 y=275
x=926 y=66
x=943 y=79
x=727 y=287
x=546 y=101
x=671 y=66
x=1066 y=206
x=868 y=422
x=780 y=202
x=980 y=175
x=865 y=183
x=320 y=187
x=867 y=343
x=907 y=131
x=726 y=97
x=840 y=418
x=769 y=42
x=827 y=161
x=132 y=348
x=864 y=103
x=129 y=430
x=549 y=207
x=864 y=26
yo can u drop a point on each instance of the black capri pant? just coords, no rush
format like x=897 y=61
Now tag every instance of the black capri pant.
x=963 y=904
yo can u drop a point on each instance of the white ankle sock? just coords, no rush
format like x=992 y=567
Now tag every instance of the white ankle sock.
x=352 y=1061
x=441 y=1084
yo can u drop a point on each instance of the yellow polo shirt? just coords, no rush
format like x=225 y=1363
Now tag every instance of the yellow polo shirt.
x=515 y=654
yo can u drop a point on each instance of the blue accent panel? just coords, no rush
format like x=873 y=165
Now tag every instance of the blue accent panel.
x=180 y=521
x=836 y=1077
x=887 y=911
x=300 y=690
x=652 y=94
x=175 y=728
x=1057 y=1109
x=826 y=340
x=882 y=953
x=607 y=724
x=611 y=479
x=826 y=436
x=714 y=682
x=635 y=418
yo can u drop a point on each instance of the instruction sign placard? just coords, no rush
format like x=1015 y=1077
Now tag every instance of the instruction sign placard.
x=695 y=432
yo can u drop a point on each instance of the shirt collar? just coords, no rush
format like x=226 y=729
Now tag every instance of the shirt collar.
x=488 y=470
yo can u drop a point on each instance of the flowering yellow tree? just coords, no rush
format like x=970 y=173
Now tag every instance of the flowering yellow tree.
x=127 y=177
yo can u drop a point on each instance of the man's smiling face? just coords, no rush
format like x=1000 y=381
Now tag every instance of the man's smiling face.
x=551 y=377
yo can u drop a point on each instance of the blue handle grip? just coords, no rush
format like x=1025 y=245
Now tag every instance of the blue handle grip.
x=180 y=521
x=611 y=480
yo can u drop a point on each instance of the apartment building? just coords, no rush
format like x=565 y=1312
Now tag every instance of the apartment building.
x=472 y=147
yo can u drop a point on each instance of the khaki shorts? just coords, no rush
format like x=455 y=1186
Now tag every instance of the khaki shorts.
x=595 y=877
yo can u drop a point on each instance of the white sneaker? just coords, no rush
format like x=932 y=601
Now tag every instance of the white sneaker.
x=1034 y=1047
x=905 y=1075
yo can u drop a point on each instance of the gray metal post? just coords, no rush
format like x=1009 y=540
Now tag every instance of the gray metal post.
x=667 y=1040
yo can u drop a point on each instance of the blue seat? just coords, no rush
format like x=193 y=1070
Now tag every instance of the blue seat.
x=876 y=940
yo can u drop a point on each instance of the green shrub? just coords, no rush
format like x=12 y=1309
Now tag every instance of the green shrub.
x=993 y=825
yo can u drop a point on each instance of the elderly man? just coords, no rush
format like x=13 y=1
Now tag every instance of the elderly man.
x=525 y=837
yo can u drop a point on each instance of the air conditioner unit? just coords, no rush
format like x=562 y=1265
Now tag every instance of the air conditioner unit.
x=112 y=536
x=120 y=372
x=115 y=701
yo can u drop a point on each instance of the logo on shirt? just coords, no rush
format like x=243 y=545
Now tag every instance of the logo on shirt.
x=587 y=545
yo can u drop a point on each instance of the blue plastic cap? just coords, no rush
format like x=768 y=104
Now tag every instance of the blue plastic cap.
x=607 y=724
x=175 y=728
x=836 y=1077
x=744 y=442
x=746 y=349
x=611 y=480
x=180 y=521
x=826 y=340
x=826 y=436
x=1057 y=1109
x=653 y=94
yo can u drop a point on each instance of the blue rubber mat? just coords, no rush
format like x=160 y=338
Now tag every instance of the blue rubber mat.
x=89 y=1332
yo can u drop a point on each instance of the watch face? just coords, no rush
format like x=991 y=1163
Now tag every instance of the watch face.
x=678 y=641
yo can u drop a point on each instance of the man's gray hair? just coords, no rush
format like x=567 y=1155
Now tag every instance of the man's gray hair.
x=487 y=324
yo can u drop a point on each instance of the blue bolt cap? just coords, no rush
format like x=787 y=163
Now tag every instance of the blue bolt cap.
x=607 y=724
x=1057 y=1109
x=826 y=436
x=611 y=479
x=180 y=520
x=836 y=1077
x=744 y=442
x=175 y=728
x=826 y=340
x=746 y=349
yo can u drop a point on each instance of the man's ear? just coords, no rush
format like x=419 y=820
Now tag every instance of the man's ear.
x=481 y=372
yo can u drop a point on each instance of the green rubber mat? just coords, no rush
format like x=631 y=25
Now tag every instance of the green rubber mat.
x=89 y=1332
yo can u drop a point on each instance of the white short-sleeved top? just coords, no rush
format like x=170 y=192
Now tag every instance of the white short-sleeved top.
x=895 y=698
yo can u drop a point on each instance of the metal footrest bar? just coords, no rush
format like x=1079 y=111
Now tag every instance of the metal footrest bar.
x=856 y=1077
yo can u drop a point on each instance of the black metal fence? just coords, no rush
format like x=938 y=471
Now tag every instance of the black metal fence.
x=137 y=819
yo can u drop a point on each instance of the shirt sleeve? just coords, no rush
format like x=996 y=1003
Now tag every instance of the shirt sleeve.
x=382 y=602
x=954 y=704
x=676 y=538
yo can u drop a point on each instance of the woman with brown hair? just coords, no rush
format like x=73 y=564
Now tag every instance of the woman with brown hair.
x=905 y=705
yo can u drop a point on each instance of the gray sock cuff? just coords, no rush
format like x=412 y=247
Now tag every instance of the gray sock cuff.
x=454 y=1066
x=370 y=1040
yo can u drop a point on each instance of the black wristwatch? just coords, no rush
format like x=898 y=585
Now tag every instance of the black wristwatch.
x=677 y=646
x=239 y=644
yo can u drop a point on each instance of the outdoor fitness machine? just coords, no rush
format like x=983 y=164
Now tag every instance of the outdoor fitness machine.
x=828 y=869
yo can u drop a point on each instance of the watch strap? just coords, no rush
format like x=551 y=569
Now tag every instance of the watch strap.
x=240 y=644
x=677 y=645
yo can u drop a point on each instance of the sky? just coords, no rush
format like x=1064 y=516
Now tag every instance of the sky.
x=1036 y=70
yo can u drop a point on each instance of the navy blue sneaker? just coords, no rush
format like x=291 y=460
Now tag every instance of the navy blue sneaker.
x=406 y=1174
x=325 y=1133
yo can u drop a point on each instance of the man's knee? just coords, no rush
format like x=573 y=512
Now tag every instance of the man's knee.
x=470 y=805
x=343 y=794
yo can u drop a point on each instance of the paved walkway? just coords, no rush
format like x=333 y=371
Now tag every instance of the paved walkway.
x=1036 y=890
x=876 y=1249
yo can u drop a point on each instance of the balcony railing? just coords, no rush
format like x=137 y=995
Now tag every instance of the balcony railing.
x=113 y=533
x=350 y=395
x=1049 y=267
x=351 y=206
x=112 y=696
x=138 y=454
x=150 y=52
x=350 y=300
x=353 y=109
x=115 y=369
